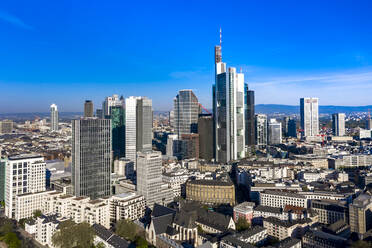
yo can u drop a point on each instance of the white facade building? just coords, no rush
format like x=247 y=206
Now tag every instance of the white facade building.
x=53 y=117
x=26 y=204
x=23 y=174
x=127 y=206
x=280 y=199
x=261 y=130
x=309 y=111
x=43 y=228
x=275 y=132
x=338 y=124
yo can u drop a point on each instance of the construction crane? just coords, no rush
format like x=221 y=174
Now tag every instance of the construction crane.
x=206 y=110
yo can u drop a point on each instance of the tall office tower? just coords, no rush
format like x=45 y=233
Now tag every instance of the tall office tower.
x=292 y=128
x=138 y=126
x=360 y=214
x=261 y=130
x=205 y=131
x=171 y=118
x=23 y=174
x=149 y=178
x=2 y=178
x=309 y=109
x=88 y=109
x=6 y=126
x=275 y=132
x=338 y=124
x=186 y=112
x=285 y=125
x=369 y=123
x=53 y=117
x=190 y=145
x=91 y=157
x=109 y=102
x=118 y=131
x=172 y=147
x=228 y=112
x=250 y=131
x=99 y=113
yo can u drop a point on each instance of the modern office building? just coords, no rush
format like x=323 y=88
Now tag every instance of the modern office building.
x=360 y=214
x=149 y=179
x=228 y=111
x=250 y=130
x=53 y=117
x=99 y=113
x=309 y=111
x=23 y=174
x=6 y=126
x=109 y=102
x=205 y=131
x=338 y=124
x=91 y=157
x=190 y=145
x=2 y=178
x=88 y=109
x=186 y=112
x=261 y=130
x=292 y=128
x=118 y=131
x=275 y=132
x=138 y=126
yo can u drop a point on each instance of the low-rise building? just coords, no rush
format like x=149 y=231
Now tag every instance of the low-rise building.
x=282 y=198
x=127 y=206
x=330 y=211
x=286 y=229
x=248 y=238
x=26 y=204
x=319 y=239
x=245 y=211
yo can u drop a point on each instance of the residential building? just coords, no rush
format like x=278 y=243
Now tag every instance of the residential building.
x=250 y=129
x=244 y=210
x=282 y=229
x=309 y=112
x=228 y=112
x=261 y=130
x=338 y=124
x=247 y=239
x=6 y=126
x=205 y=131
x=91 y=157
x=282 y=198
x=186 y=112
x=149 y=179
x=128 y=206
x=53 y=117
x=23 y=174
x=26 y=204
x=88 y=109
x=138 y=126
x=275 y=132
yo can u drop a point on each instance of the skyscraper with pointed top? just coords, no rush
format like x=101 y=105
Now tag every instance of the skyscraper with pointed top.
x=228 y=111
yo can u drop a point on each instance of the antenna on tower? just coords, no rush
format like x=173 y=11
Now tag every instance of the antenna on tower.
x=241 y=69
x=220 y=36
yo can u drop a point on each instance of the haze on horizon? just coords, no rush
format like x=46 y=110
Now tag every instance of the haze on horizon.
x=69 y=51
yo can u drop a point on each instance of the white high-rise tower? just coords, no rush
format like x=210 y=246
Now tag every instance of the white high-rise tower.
x=309 y=108
x=53 y=117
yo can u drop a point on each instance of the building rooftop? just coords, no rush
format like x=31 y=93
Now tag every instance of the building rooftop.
x=284 y=193
x=25 y=156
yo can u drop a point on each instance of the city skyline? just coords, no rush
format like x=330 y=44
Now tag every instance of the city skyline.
x=100 y=51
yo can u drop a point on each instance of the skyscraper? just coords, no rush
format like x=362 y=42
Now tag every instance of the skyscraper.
x=309 y=111
x=138 y=126
x=118 y=131
x=250 y=139
x=261 y=130
x=149 y=179
x=338 y=124
x=53 y=117
x=186 y=112
x=91 y=157
x=88 y=108
x=109 y=102
x=275 y=132
x=205 y=131
x=228 y=112
x=292 y=128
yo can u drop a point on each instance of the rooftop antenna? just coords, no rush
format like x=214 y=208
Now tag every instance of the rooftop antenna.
x=241 y=69
x=220 y=36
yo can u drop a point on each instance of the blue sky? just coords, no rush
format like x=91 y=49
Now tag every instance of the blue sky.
x=64 y=52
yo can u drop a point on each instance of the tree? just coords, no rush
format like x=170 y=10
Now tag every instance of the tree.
x=361 y=244
x=141 y=242
x=71 y=234
x=100 y=245
x=37 y=213
x=64 y=238
x=84 y=235
x=242 y=224
x=12 y=240
x=126 y=229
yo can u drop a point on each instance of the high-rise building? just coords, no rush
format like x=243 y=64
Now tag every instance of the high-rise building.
x=88 y=108
x=23 y=174
x=53 y=117
x=109 y=102
x=261 y=130
x=99 y=113
x=292 y=128
x=338 y=124
x=2 y=178
x=250 y=139
x=138 y=126
x=228 y=111
x=309 y=110
x=205 y=131
x=172 y=148
x=369 y=123
x=285 y=125
x=149 y=179
x=118 y=131
x=190 y=145
x=6 y=126
x=275 y=132
x=186 y=112
x=360 y=214
x=91 y=157
x=171 y=118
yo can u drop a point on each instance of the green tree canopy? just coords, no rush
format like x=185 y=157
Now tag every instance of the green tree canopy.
x=242 y=224
x=126 y=229
x=37 y=213
x=71 y=234
x=141 y=242
x=361 y=244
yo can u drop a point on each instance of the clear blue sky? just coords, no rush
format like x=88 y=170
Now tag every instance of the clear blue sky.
x=67 y=51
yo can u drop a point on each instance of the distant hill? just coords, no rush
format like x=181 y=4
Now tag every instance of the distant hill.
x=292 y=109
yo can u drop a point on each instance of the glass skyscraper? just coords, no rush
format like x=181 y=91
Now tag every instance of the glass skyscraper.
x=53 y=117
x=186 y=112
x=118 y=131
